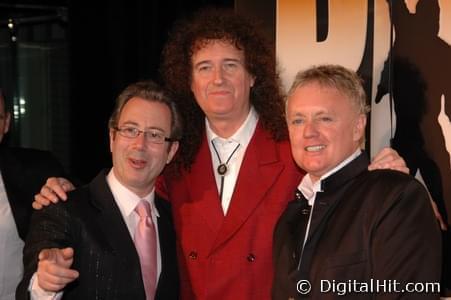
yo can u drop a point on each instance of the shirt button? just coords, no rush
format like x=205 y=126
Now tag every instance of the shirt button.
x=192 y=255
x=251 y=257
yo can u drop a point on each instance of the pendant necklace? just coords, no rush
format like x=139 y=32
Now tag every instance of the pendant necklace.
x=223 y=168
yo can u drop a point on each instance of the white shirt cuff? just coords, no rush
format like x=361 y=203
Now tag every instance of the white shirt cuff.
x=38 y=293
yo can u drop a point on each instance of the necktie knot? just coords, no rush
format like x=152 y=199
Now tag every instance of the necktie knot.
x=143 y=209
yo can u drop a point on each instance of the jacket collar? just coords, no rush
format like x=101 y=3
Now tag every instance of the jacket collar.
x=348 y=172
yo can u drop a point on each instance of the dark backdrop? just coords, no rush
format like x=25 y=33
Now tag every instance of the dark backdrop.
x=111 y=45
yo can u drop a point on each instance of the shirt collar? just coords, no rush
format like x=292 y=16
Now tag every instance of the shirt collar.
x=126 y=199
x=242 y=136
x=309 y=189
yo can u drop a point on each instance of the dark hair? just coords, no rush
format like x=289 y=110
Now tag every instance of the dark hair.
x=192 y=34
x=147 y=90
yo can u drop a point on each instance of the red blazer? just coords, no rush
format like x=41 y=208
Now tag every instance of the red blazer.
x=230 y=257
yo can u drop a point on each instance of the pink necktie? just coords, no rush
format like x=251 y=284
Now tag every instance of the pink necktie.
x=146 y=246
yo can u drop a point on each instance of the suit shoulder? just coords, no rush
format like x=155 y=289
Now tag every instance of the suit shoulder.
x=386 y=188
x=76 y=200
x=80 y=192
x=391 y=178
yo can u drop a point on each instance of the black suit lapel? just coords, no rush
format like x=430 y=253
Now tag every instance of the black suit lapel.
x=288 y=240
x=298 y=221
x=327 y=200
x=168 y=282
x=110 y=221
x=165 y=229
x=325 y=204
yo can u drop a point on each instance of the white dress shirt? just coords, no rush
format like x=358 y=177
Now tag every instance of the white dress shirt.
x=225 y=147
x=126 y=200
x=11 y=246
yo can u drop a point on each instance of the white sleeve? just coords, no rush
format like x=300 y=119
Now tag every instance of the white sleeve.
x=38 y=293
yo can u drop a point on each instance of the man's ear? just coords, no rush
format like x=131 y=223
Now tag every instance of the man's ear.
x=172 y=150
x=359 y=128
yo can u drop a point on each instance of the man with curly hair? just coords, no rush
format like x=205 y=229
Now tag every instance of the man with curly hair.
x=234 y=173
x=237 y=173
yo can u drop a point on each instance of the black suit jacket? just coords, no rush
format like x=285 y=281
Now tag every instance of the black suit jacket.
x=365 y=225
x=24 y=172
x=105 y=255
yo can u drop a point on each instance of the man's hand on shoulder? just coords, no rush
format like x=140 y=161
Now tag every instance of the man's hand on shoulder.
x=388 y=158
x=54 y=189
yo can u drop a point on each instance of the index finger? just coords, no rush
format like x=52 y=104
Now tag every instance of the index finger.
x=66 y=185
x=55 y=185
x=60 y=274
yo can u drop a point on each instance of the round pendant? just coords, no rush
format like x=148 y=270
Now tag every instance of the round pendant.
x=222 y=169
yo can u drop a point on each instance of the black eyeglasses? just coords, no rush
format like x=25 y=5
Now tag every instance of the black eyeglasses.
x=152 y=136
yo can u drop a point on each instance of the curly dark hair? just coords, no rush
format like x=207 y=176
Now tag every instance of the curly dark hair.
x=190 y=35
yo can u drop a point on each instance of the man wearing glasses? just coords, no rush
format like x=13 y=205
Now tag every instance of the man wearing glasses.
x=116 y=239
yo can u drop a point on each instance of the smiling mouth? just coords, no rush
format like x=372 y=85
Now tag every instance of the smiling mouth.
x=222 y=92
x=137 y=163
x=315 y=148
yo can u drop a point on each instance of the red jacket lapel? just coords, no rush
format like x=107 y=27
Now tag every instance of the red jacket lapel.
x=203 y=189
